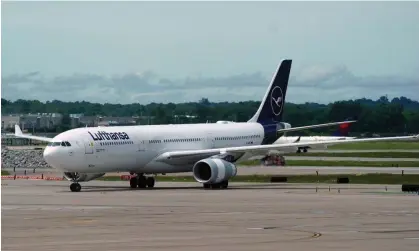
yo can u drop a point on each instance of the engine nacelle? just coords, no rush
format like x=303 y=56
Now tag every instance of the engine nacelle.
x=213 y=170
x=80 y=177
x=284 y=125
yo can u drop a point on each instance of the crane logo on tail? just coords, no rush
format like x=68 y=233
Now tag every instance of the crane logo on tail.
x=277 y=100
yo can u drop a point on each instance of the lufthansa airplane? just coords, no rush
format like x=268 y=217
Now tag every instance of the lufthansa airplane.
x=208 y=150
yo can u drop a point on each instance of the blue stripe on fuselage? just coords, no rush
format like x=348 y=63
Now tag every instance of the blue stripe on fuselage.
x=270 y=131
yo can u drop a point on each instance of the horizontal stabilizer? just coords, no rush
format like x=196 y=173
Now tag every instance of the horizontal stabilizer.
x=19 y=134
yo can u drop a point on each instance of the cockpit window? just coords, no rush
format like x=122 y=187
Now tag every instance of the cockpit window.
x=63 y=143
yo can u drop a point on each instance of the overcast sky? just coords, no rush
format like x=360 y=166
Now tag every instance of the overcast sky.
x=125 y=52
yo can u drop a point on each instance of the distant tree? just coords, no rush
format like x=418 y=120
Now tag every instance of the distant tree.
x=380 y=116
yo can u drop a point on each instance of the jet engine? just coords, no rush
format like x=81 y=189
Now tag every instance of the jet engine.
x=284 y=125
x=80 y=177
x=213 y=171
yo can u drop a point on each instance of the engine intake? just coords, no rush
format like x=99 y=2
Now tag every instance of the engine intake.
x=79 y=177
x=212 y=171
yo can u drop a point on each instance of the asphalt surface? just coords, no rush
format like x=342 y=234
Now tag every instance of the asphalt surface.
x=395 y=160
x=45 y=215
x=365 y=151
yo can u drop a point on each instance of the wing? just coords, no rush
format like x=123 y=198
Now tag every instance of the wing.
x=190 y=155
x=293 y=129
x=19 y=134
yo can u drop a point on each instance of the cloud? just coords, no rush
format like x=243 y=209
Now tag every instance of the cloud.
x=316 y=83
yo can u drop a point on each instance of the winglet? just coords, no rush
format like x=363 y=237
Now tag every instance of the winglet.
x=17 y=130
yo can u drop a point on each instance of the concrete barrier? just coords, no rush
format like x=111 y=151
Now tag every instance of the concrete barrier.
x=410 y=188
x=342 y=180
x=126 y=177
x=275 y=179
x=29 y=177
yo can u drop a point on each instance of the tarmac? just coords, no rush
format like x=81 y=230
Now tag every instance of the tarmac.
x=45 y=215
x=321 y=158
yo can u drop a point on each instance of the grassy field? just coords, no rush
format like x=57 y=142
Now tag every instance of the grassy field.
x=4 y=172
x=359 y=154
x=353 y=178
x=327 y=179
x=340 y=163
x=382 y=145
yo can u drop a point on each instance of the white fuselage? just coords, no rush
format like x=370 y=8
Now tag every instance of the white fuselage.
x=134 y=148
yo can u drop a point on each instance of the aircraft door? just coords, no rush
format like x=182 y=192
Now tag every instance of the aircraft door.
x=141 y=157
x=210 y=140
x=141 y=145
x=88 y=146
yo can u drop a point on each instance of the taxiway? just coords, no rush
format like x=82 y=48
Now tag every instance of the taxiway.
x=45 y=215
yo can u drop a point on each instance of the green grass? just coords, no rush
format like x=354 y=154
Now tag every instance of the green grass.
x=339 y=163
x=4 y=172
x=382 y=145
x=328 y=179
x=359 y=154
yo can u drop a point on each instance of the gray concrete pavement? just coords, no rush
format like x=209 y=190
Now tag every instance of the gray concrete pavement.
x=42 y=215
x=395 y=160
x=364 y=151
x=311 y=151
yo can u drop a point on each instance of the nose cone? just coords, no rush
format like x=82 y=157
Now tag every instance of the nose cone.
x=51 y=156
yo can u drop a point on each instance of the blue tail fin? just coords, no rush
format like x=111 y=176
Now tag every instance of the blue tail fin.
x=270 y=111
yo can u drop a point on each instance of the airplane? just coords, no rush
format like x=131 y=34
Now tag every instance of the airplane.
x=208 y=150
x=340 y=134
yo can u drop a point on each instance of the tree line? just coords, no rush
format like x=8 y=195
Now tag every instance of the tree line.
x=382 y=116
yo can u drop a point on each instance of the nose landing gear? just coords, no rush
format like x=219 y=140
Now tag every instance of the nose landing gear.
x=75 y=187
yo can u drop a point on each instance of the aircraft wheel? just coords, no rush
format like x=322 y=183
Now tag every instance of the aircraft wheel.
x=75 y=187
x=215 y=186
x=142 y=182
x=224 y=184
x=133 y=182
x=150 y=182
x=305 y=150
x=206 y=186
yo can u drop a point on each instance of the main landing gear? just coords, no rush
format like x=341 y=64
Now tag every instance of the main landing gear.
x=141 y=181
x=221 y=185
x=304 y=150
x=75 y=187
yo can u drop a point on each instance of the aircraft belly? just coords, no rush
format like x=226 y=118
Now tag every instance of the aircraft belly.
x=160 y=167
